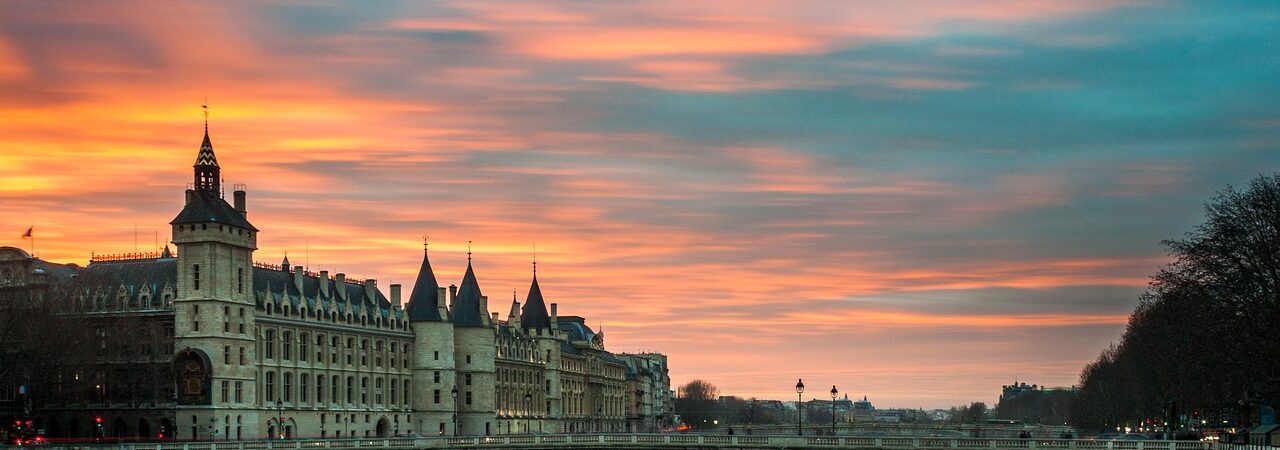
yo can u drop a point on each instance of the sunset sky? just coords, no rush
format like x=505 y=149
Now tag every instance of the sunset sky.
x=913 y=201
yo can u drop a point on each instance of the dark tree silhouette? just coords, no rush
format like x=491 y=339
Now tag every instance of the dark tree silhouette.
x=1206 y=334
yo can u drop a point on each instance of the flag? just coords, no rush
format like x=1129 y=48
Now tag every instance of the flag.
x=27 y=235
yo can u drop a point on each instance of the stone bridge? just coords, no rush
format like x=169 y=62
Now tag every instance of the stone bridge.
x=662 y=441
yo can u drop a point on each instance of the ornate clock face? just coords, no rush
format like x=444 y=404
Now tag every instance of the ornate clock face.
x=6 y=275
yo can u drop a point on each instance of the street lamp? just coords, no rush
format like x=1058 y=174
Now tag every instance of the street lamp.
x=212 y=421
x=454 y=393
x=173 y=434
x=280 y=418
x=528 y=408
x=799 y=399
x=833 y=409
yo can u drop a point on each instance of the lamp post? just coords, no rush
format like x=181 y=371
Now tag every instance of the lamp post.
x=345 y=420
x=454 y=393
x=833 y=409
x=280 y=418
x=528 y=408
x=212 y=421
x=173 y=434
x=799 y=400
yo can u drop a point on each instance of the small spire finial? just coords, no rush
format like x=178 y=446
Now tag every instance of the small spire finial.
x=424 y=242
x=535 y=259
x=468 y=252
x=205 y=107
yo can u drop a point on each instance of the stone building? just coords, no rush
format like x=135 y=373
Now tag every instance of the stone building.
x=207 y=343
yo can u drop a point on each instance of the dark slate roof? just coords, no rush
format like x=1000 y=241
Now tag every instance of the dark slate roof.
x=576 y=328
x=57 y=273
x=208 y=206
x=466 y=306
x=133 y=274
x=568 y=348
x=423 y=302
x=535 y=310
x=274 y=281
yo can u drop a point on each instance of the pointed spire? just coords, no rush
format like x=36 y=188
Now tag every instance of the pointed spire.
x=284 y=265
x=535 y=309
x=424 y=301
x=207 y=173
x=466 y=305
x=166 y=253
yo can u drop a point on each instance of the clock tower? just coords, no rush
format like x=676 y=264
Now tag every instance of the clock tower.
x=214 y=306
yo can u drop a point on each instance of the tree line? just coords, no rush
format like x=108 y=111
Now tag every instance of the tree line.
x=1204 y=340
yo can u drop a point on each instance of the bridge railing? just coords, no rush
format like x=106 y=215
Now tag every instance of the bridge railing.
x=675 y=441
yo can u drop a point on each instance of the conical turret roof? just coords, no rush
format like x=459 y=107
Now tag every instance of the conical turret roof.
x=206 y=158
x=466 y=306
x=424 y=301
x=535 y=309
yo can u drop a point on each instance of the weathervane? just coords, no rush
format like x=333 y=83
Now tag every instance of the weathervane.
x=205 y=107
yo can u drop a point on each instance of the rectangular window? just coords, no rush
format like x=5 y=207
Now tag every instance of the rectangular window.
x=437 y=355
x=468 y=378
x=195 y=325
x=226 y=355
x=239 y=391
x=468 y=397
x=435 y=395
x=437 y=376
x=226 y=391
x=195 y=277
x=405 y=386
x=242 y=356
x=468 y=359
x=302 y=387
x=239 y=280
x=288 y=387
x=320 y=391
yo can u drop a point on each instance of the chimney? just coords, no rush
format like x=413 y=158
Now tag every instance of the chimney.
x=239 y=195
x=441 y=306
x=340 y=283
x=493 y=316
x=554 y=326
x=297 y=277
x=324 y=283
x=191 y=195
x=453 y=293
x=371 y=290
x=395 y=295
x=484 y=307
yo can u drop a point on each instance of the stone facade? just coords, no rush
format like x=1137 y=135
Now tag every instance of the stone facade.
x=238 y=349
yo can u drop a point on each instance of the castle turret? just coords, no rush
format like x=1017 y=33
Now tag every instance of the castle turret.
x=475 y=351
x=433 y=362
x=213 y=309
